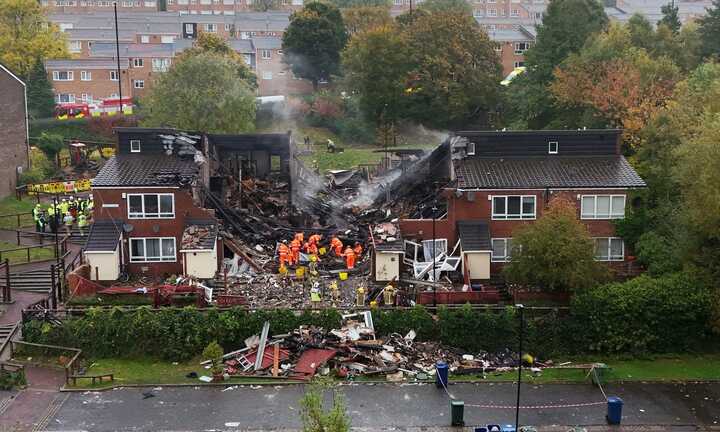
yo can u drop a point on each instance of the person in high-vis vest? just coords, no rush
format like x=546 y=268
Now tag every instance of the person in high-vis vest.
x=52 y=218
x=37 y=212
x=82 y=223
x=68 y=222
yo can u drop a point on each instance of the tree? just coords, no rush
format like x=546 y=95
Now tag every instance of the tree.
x=376 y=64
x=266 y=5
x=26 y=35
x=455 y=78
x=213 y=44
x=670 y=17
x=316 y=419
x=201 y=93
x=558 y=36
x=457 y=6
x=556 y=253
x=51 y=144
x=710 y=30
x=313 y=41
x=40 y=97
x=361 y=18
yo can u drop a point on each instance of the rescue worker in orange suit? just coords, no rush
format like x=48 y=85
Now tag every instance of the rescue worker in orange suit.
x=349 y=258
x=284 y=253
x=315 y=239
x=312 y=250
x=358 y=249
x=300 y=237
x=337 y=246
x=295 y=251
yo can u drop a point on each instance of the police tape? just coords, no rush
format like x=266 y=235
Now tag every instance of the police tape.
x=574 y=405
x=80 y=185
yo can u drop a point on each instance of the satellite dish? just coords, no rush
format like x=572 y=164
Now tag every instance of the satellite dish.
x=128 y=228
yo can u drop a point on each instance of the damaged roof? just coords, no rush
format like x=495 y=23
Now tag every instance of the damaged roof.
x=474 y=235
x=199 y=234
x=146 y=170
x=104 y=235
x=546 y=172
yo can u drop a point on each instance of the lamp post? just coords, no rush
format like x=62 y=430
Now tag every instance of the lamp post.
x=520 y=308
x=117 y=51
x=434 y=211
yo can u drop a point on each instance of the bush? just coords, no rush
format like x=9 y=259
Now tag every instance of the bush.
x=671 y=313
x=41 y=169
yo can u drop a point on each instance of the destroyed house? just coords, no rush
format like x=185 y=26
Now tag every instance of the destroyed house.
x=148 y=216
x=502 y=180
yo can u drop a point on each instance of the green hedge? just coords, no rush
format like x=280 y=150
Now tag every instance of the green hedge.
x=645 y=315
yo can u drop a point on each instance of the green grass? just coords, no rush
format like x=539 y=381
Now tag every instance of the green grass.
x=11 y=206
x=20 y=256
x=146 y=371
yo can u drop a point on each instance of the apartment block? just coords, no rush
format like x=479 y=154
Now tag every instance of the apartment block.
x=87 y=80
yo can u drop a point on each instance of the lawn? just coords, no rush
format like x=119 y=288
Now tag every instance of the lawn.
x=677 y=368
x=20 y=256
x=11 y=206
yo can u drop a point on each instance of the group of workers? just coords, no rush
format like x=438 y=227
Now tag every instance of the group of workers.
x=289 y=254
x=66 y=212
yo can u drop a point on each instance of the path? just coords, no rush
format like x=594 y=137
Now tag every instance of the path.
x=382 y=406
x=30 y=409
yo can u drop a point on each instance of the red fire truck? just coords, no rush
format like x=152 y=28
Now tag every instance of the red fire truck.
x=108 y=106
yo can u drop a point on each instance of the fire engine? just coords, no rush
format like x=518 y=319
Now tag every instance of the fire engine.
x=108 y=106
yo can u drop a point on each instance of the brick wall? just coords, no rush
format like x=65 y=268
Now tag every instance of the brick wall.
x=275 y=77
x=99 y=86
x=13 y=140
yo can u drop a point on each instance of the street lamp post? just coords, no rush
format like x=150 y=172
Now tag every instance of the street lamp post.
x=520 y=308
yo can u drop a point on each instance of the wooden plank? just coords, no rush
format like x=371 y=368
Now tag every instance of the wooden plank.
x=276 y=360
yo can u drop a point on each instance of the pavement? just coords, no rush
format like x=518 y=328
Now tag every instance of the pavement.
x=29 y=409
x=405 y=407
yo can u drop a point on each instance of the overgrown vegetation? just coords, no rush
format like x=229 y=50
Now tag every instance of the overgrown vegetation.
x=316 y=418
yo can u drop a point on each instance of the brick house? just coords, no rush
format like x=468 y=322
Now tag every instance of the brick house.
x=146 y=198
x=13 y=123
x=87 y=80
x=503 y=180
x=511 y=45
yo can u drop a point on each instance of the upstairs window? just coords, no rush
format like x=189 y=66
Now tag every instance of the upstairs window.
x=85 y=76
x=151 y=206
x=62 y=75
x=602 y=207
x=134 y=146
x=113 y=75
x=553 y=147
x=513 y=207
x=521 y=47
x=138 y=62
x=265 y=54
x=471 y=149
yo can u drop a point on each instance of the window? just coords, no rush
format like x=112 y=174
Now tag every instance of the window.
x=75 y=46
x=521 y=47
x=84 y=97
x=144 y=39
x=160 y=64
x=265 y=54
x=478 y=13
x=267 y=75
x=602 y=207
x=515 y=13
x=134 y=146
x=147 y=206
x=501 y=249
x=85 y=76
x=150 y=4
x=609 y=249
x=139 y=84
x=167 y=39
x=113 y=75
x=553 y=147
x=498 y=48
x=189 y=28
x=518 y=64
x=138 y=62
x=513 y=207
x=114 y=96
x=62 y=75
x=211 y=28
x=492 y=13
x=152 y=249
x=471 y=148
x=65 y=98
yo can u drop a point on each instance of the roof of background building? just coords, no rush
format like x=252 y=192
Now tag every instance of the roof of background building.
x=546 y=172
x=146 y=170
x=267 y=42
x=99 y=34
x=86 y=64
x=510 y=35
x=474 y=235
x=104 y=235
x=108 y=49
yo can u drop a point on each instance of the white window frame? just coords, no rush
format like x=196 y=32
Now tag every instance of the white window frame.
x=85 y=76
x=265 y=54
x=138 y=63
x=75 y=46
x=70 y=97
x=508 y=250
x=134 y=149
x=492 y=13
x=211 y=27
x=113 y=73
x=553 y=147
x=609 y=256
x=161 y=64
x=506 y=216
x=267 y=75
x=594 y=215
x=165 y=38
x=470 y=149
x=144 y=215
x=144 y=258
x=145 y=39
x=139 y=84
x=68 y=76
x=519 y=50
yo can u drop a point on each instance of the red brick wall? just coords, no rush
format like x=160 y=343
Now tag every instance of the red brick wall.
x=184 y=208
x=13 y=140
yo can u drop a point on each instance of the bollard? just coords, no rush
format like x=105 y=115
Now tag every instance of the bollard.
x=614 y=410
x=441 y=377
x=457 y=411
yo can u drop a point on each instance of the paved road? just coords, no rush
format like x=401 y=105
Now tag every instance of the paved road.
x=381 y=406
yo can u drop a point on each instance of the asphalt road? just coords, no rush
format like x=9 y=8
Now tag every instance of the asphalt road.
x=382 y=406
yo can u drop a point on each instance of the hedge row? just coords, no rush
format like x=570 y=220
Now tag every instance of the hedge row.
x=645 y=315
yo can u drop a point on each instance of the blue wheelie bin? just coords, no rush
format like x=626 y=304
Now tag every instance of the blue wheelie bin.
x=614 y=410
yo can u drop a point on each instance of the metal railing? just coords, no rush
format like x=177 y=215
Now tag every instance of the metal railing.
x=6 y=289
x=27 y=248
x=6 y=343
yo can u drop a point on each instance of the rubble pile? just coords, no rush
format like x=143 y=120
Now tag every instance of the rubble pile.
x=195 y=235
x=353 y=351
